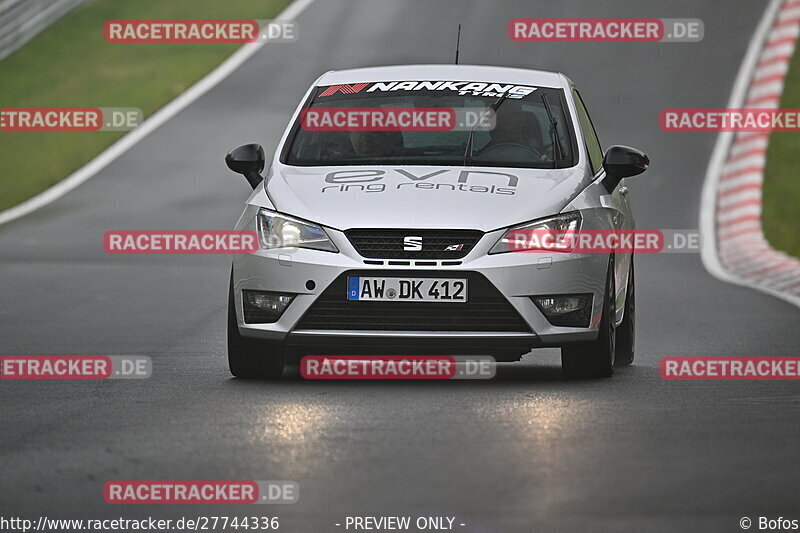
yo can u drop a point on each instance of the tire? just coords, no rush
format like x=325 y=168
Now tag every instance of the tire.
x=594 y=359
x=251 y=358
x=626 y=332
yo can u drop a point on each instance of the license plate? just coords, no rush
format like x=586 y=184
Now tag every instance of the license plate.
x=407 y=289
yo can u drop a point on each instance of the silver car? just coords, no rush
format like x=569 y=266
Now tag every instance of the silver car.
x=399 y=242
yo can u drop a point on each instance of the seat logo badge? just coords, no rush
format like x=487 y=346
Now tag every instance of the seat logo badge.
x=412 y=243
x=454 y=248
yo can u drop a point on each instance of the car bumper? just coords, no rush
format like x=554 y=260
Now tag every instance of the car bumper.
x=517 y=277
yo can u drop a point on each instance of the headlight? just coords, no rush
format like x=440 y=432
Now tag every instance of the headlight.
x=280 y=231
x=523 y=238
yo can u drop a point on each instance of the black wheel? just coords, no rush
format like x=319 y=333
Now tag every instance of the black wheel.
x=626 y=332
x=251 y=358
x=595 y=359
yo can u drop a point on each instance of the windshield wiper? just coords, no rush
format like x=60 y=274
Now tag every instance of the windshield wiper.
x=557 y=155
x=493 y=108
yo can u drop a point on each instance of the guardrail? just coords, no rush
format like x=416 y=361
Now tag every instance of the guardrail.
x=22 y=20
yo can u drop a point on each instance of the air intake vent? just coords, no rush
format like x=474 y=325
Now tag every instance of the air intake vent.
x=486 y=310
x=413 y=243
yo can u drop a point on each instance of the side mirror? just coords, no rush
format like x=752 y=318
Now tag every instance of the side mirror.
x=622 y=162
x=248 y=160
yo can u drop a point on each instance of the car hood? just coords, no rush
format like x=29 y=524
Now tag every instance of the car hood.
x=422 y=197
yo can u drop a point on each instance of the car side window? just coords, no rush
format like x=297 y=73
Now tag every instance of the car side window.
x=589 y=133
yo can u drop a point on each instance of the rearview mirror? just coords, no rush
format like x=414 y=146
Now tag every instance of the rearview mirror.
x=622 y=162
x=248 y=160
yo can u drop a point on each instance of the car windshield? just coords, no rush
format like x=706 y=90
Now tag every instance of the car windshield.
x=520 y=126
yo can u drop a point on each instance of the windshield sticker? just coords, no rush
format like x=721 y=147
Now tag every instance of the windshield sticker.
x=462 y=88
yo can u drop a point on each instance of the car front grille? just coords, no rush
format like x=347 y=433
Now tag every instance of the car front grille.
x=391 y=244
x=486 y=310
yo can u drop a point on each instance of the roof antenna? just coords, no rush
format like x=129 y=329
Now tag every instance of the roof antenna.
x=458 y=42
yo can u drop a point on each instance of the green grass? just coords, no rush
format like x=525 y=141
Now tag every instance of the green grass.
x=71 y=65
x=781 y=199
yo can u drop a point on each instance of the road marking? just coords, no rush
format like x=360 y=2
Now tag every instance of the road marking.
x=147 y=127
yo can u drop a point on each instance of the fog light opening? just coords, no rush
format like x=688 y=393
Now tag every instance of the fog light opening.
x=262 y=307
x=567 y=310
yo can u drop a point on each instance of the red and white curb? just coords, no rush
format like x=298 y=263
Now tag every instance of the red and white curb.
x=734 y=247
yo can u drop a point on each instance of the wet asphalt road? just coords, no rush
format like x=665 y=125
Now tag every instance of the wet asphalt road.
x=526 y=451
